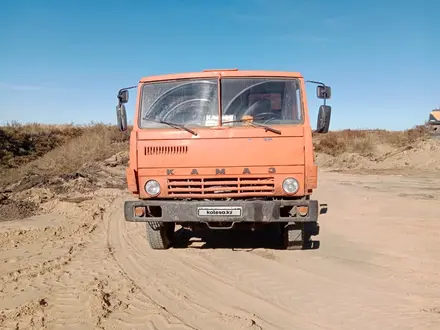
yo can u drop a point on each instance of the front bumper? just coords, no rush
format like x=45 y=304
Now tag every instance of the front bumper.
x=222 y=211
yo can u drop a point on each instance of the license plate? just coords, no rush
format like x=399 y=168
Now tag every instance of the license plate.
x=208 y=211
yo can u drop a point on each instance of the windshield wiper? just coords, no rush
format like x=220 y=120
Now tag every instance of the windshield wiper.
x=177 y=126
x=266 y=128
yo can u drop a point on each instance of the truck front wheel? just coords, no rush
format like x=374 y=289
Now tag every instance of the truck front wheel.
x=160 y=234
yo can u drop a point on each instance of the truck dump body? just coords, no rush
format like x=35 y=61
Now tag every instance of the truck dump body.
x=222 y=148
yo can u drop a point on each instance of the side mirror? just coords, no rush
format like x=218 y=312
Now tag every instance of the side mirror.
x=123 y=96
x=323 y=92
x=324 y=114
x=121 y=115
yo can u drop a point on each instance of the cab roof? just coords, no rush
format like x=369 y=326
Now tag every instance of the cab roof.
x=213 y=73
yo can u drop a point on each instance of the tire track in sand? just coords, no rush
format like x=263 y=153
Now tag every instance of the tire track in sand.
x=271 y=293
x=144 y=310
x=201 y=300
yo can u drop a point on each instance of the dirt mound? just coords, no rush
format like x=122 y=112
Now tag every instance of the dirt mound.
x=378 y=150
x=27 y=196
x=365 y=142
x=11 y=208
x=21 y=144
x=56 y=161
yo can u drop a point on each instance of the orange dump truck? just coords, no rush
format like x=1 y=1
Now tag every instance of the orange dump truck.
x=222 y=149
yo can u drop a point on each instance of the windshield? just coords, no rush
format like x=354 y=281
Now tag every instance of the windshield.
x=194 y=102
x=189 y=102
x=266 y=100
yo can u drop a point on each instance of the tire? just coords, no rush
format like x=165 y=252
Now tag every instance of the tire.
x=160 y=235
x=297 y=236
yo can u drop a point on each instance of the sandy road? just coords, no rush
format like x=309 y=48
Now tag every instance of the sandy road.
x=377 y=268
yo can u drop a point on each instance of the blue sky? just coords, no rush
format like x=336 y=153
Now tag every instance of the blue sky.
x=63 y=61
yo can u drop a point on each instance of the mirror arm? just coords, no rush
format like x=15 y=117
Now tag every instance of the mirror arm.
x=316 y=82
x=124 y=89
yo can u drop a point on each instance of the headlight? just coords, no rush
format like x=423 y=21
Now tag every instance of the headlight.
x=290 y=185
x=152 y=187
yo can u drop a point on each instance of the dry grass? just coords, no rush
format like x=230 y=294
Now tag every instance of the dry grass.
x=365 y=142
x=50 y=150
x=20 y=144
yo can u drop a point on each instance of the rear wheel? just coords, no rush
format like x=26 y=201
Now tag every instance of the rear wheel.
x=160 y=234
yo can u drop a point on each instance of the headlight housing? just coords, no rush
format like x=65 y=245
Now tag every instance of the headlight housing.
x=152 y=187
x=290 y=185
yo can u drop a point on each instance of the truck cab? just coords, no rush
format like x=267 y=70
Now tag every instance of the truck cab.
x=223 y=149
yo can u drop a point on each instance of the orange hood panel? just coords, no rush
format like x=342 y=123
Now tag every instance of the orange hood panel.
x=265 y=150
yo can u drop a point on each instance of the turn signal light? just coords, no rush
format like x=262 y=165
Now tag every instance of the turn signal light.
x=303 y=210
x=139 y=211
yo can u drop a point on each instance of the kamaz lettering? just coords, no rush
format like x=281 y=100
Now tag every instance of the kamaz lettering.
x=221 y=171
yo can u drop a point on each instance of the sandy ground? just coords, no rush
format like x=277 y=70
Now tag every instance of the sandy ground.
x=81 y=266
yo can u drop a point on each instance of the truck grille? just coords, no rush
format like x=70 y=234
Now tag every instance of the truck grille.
x=228 y=187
